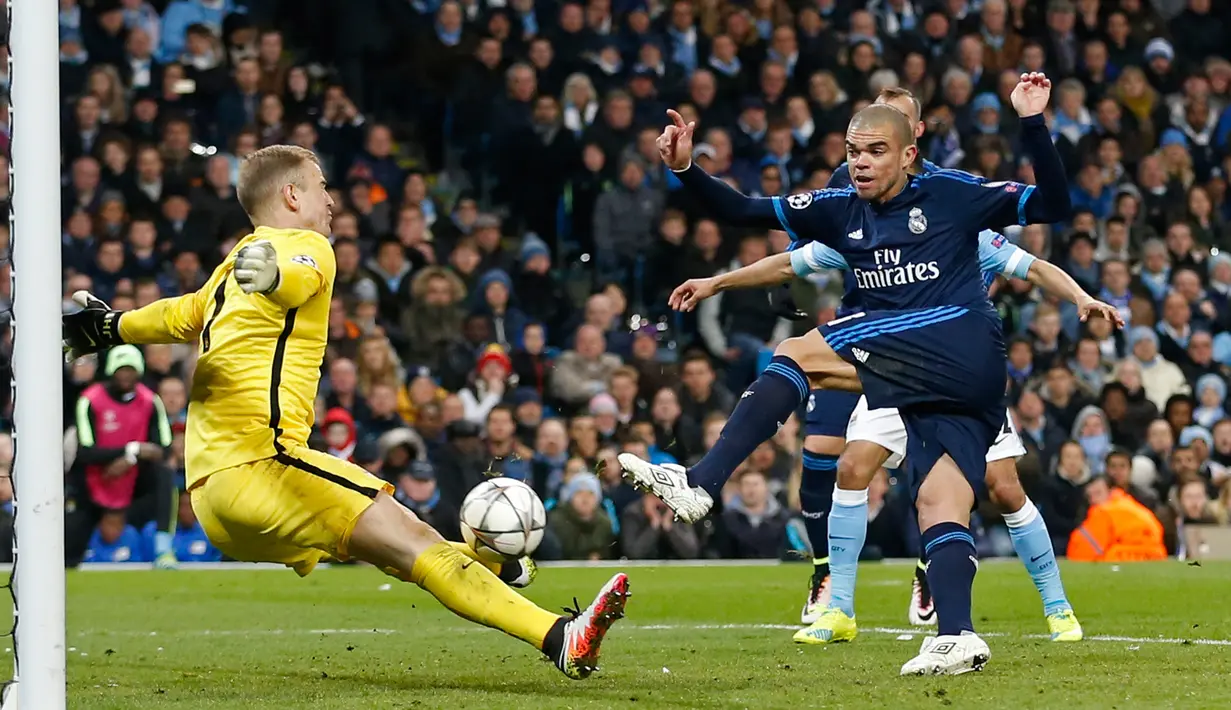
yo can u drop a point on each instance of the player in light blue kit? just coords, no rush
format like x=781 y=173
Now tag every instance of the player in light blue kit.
x=929 y=342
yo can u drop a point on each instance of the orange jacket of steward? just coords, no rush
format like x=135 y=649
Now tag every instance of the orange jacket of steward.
x=1119 y=530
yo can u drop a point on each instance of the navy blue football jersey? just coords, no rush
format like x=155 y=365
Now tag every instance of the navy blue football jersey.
x=851 y=302
x=918 y=250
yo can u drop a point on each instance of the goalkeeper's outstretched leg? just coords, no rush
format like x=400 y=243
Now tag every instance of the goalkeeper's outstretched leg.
x=392 y=538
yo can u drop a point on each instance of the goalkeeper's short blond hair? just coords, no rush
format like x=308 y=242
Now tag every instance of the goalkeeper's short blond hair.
x=263 y=174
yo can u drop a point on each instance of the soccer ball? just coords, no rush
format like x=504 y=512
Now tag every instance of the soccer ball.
x=503 y=519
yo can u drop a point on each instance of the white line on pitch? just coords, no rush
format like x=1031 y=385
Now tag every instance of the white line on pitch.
x=235 y=632
x=651 y=627
x=918 y=632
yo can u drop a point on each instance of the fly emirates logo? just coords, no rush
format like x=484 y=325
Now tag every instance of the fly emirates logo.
x=890 y=271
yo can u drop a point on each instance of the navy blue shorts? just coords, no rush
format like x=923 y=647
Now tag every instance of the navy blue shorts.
x=943 y=368
x=828 y=413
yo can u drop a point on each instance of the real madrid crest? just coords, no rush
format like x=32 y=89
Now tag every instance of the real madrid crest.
x=917 y=222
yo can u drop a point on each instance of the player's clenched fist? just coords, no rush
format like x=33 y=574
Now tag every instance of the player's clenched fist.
x=675 y=143
x=256 y=267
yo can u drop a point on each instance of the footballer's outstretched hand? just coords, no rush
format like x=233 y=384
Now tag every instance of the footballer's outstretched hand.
x=256 y=267
x=1090 y=307
x=688 y=295
x=93 y=328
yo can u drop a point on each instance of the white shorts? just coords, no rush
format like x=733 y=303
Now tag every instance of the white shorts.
x=885 y=427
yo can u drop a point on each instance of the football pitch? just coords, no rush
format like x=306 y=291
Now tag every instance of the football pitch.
x=1158 y=635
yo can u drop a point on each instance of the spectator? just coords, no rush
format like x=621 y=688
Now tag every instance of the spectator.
x=489 y=384
x=1200 y=442
x=240 y=107
x=1128 y=418
x=1211 y=394
x=123 y=438
x=583 y=372
x=1116 y=529
x=1159 y=378
x=114 y=540
x=649 y=531
x=624 y=219
x=378 y=365
x=1119 y=470
x=736 y=325
x=494 y=292
x=434 y=318
x=624 y=390
x=344 y=389
x=579 y=522
x=416 y=489
x=702 y=394
x=1062 y=493
x=1174 y=330
x=550 y=456
x=462 y=356
x=539 y=291
x=1092 y=431
x=755 y=521
x=182 y=14
x=1063 y=397
x=1192 y=505
x=529 y=414
x=383 y=411
x=341 y=435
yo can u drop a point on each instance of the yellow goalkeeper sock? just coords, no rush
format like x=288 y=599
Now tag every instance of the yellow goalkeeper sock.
x=472 y=592
x=468 y=551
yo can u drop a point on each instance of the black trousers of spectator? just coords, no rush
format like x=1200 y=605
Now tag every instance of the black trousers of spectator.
x=154 y=498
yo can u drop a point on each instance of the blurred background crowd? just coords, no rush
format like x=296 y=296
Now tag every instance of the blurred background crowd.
x=506 y=237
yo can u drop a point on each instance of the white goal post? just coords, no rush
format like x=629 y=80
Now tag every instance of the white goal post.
x=38 y=466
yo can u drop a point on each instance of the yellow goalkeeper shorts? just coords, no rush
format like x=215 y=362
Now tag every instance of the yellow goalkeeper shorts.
x=296 y=508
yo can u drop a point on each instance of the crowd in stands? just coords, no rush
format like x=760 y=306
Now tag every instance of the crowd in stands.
x=506 y=236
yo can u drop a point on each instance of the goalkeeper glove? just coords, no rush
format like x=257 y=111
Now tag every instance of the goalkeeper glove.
x=95 y=327
x=256 y=268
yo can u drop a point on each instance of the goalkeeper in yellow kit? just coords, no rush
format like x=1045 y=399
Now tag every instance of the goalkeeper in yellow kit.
x=260 y=493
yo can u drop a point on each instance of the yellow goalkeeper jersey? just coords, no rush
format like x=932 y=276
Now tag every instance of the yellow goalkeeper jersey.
x=260 y=355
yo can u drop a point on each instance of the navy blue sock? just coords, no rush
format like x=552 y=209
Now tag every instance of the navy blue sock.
x=950 y=553
x=816 y=486
x=764 y=406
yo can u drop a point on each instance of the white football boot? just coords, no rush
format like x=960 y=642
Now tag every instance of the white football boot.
x=670 y=483
x=949 y=655
x=922 y=610
x=819 y=596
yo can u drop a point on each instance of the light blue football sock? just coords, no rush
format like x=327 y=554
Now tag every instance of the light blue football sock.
x=162 y=543
x=848 y=528
x=1033 y=545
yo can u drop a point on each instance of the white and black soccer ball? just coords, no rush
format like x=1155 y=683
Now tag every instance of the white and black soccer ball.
x=503 y=519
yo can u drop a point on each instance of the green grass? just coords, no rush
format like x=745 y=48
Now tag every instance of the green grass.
x=139 y=640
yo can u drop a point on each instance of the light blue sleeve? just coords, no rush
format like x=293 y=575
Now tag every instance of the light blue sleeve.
x=813 y=257
x=1000 y=256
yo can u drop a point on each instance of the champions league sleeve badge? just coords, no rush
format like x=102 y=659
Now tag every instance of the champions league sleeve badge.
x=799 y=200
x=917 y=222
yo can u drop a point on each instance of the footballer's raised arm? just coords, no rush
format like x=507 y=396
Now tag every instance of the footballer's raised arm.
x=728 y=205
x=1048 y=200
